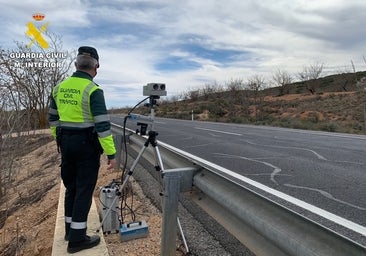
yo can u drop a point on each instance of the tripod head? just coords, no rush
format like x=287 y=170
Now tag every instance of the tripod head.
x=153 y=91
x=152 y=101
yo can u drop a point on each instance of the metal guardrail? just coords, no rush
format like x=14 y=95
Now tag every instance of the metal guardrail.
x=261 y=224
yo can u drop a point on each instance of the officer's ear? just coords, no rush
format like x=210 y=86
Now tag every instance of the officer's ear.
x=96 y=67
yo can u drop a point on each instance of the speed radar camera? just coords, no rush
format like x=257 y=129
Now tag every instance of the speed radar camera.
x=154 y=89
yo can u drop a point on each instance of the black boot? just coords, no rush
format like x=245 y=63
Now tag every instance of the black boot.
x=88 y=242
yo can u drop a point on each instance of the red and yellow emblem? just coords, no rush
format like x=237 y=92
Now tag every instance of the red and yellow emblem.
x=38 y=16
x=35 y=33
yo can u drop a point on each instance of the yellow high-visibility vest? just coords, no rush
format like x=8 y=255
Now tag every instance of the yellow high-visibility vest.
x=72 y=98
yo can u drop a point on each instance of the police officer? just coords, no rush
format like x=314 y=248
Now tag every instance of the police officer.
x=80 y=124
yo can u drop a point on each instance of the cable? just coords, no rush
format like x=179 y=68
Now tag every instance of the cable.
x=126 y=208
x=124 y=136
x=124 y=194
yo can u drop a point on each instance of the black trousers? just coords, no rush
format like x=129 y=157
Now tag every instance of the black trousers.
x=80 y=162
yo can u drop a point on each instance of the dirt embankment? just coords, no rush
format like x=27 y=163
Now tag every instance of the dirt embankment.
x=30 y=204
x=29 y=207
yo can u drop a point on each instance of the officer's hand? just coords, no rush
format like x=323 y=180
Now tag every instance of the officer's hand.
x=111 y=164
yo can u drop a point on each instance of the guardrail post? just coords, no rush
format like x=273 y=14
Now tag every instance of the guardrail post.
x=171 y=182
x=174 y=181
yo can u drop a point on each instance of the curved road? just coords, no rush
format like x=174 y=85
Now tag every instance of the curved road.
x=327 y=170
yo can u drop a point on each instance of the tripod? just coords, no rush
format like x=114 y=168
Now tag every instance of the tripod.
x=158 y=162
x=151 y=140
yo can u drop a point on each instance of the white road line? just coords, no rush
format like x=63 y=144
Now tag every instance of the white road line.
x=327 y=195
x=309 y=207
x=319 y=156
x=210 y=130
x=276 y=169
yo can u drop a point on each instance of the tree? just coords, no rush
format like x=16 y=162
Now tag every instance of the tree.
x=29 y=77
x=235 y=89
x=256 y=84
x=209 y=89
x=26 y=82
x=282 y=79
x=235 y=85
x=311 y=72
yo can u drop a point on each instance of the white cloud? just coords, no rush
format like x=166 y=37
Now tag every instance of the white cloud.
x=202 y=41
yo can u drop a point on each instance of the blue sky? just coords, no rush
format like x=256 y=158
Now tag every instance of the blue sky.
x=187 y=44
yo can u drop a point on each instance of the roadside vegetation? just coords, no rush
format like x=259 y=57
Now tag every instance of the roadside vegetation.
x=335 y=103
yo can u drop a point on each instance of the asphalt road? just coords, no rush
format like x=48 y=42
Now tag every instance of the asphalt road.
x=327 y=170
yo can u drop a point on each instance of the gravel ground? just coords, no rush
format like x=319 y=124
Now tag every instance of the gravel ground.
x=205 y=237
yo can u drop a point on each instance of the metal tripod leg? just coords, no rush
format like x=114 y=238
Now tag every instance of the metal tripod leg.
x=158 y=166
x=158 y=162
x=129 y=174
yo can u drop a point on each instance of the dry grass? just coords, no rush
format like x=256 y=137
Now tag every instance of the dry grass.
x=29 y=208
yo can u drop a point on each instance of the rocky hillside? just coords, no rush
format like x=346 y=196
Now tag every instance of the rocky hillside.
x=334 y=103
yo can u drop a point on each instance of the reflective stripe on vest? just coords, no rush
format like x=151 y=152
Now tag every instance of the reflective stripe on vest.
x=85 y=103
